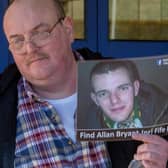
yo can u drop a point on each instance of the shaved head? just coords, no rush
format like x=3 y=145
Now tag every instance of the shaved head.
x=18 y=7
x=26 y=18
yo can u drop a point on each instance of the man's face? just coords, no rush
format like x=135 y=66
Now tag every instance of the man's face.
x=114 y=93
x=39 y=63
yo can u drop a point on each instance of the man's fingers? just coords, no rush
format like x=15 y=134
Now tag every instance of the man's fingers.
x=146 y=156
x=153 y=152
x=155 y=139
x=149 y=164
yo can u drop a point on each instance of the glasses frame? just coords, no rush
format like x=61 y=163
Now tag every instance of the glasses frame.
x=57 y=22
x=13 y=49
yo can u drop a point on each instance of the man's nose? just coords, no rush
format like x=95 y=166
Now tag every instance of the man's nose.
x=30 y=47
x=114 y=98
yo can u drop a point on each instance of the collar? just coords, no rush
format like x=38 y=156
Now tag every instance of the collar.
x=28 y=89
x=9 y=78
x=78 y=56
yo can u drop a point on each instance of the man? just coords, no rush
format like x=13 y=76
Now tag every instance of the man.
x=126 y=102
x=40 y=38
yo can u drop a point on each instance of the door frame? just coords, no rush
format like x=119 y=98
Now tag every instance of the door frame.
x=126 y=48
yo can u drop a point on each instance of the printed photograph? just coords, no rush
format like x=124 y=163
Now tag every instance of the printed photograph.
x=117 y=98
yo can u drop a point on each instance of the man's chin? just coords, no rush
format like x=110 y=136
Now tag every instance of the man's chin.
x=120 y=119
x=37 y=76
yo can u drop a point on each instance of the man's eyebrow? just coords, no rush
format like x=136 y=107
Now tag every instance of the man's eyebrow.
x=125 y=84
x=14 y=36
x=40 y=25
x=103 y=90
x=35 y=28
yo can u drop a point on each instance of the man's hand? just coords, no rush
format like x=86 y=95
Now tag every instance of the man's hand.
x=153 y=153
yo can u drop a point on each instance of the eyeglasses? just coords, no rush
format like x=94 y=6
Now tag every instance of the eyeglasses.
x=39 y=39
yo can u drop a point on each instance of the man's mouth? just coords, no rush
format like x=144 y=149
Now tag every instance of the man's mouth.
x=117 y=109
x=36 y=57
x=35 y=60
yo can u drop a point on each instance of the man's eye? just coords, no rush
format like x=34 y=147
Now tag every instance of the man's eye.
x=39 y=31
x=36 y=33
x=40 y=35
x=17 y=43
x=123 y=88
x=102 y=94
x=18 y=40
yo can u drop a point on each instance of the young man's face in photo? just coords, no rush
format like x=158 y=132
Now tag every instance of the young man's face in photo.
x=114 y=92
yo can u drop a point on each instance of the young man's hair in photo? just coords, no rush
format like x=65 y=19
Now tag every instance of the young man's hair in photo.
x=108 y=65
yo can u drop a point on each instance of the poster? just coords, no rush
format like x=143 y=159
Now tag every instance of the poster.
x=120 y=97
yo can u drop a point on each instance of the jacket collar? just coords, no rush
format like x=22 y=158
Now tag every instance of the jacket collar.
x=8 y=78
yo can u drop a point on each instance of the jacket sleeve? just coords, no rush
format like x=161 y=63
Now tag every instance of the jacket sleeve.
x=88 y=54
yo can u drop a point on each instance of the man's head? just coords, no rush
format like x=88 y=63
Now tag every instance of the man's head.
x=40 y=38
x=114 y=86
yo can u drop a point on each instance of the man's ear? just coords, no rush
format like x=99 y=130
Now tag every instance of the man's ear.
x=136 y=87
x=93 y=97
x=68 y=23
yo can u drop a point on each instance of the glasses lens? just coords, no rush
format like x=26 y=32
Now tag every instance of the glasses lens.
x=17 y=47
x=40 y=38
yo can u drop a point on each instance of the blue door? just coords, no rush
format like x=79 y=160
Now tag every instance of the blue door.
x=4 y=53
x=97 y=35
x=132 y=48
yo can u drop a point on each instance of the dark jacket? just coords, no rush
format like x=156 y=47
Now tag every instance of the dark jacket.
x=8 y=109
x=121 y=152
